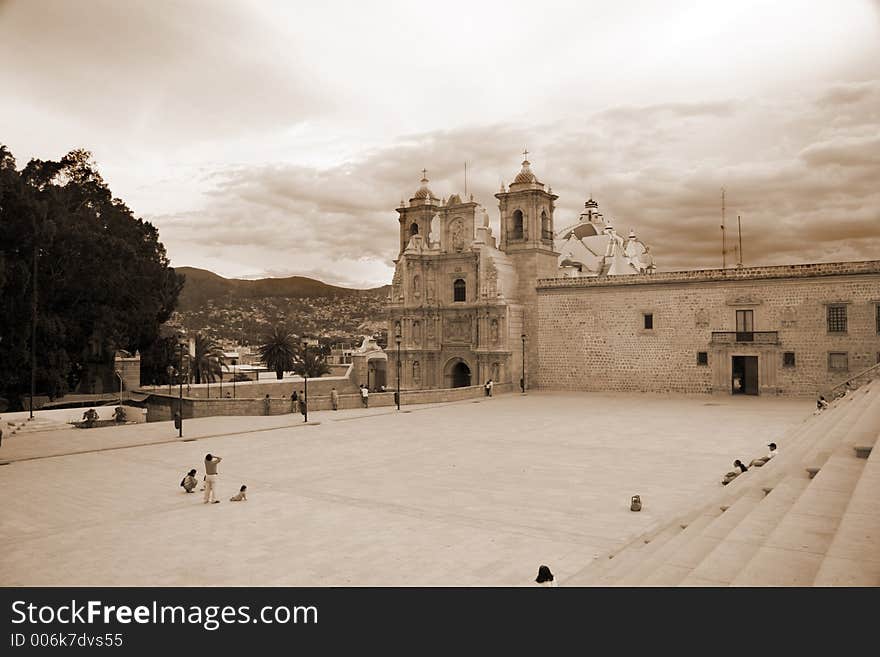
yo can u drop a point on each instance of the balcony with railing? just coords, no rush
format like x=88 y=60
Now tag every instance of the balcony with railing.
x=739 y=337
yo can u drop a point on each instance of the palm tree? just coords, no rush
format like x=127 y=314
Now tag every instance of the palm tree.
x=208 y=359
x=278 y=350
x=310 y=362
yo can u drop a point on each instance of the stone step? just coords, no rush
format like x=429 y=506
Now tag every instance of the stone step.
x=643 y=573
x=682 y=562
x=853 y=558
x=793 y=552
x=722 y=564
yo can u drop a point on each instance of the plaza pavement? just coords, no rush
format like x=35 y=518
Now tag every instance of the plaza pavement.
x=458 y=494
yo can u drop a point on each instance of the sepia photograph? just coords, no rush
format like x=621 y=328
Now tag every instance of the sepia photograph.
x=462 y=295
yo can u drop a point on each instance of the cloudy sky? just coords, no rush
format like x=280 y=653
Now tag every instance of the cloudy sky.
x=276 y=138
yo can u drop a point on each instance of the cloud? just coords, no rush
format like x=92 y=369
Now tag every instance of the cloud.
x=810 y=195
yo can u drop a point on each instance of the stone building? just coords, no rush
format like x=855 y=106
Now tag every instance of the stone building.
x=462 y=300
x=794 y=329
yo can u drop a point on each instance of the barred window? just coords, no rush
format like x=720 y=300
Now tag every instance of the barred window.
x=459 y=290
x=788 y=359
x=837 y=319
x=702 y=358
x=838 y=360
x=649 y=320
x=878 y=317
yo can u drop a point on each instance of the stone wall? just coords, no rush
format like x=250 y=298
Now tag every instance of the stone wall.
x=161 y=407
x=592 y=335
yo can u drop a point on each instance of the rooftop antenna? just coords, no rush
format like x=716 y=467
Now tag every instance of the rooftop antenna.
x=465 y=179
x=723 y=240
x=739 y=229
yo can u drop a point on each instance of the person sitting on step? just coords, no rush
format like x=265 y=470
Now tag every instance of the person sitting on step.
x=733 y=474
x=758 y=462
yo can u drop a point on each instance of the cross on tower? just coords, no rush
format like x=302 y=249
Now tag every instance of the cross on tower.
x=525 y=154
x=424 y=173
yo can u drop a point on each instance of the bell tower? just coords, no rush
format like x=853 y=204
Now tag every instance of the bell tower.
x=415 y=219
x=526 y=213
x=527 y=234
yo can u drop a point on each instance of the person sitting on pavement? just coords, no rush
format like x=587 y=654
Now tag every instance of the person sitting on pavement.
x=189 y=482
x=733 y=474
x=240 y=496
x=758 y=462
x=545 y=577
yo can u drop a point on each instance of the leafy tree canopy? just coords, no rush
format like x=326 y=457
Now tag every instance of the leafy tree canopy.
x=103 y=278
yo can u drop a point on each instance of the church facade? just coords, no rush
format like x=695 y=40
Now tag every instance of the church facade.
x=462 y=304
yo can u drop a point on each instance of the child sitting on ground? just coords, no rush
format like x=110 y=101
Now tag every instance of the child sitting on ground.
x=241 y=496
x=189 y=482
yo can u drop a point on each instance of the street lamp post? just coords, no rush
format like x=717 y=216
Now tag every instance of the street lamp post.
x=522 y=381
x=180 y=384
x=305 y=382
x=397 y=339
x=234 y=374
x=305 y=396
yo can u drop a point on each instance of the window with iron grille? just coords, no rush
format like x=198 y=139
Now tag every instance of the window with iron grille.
x=459 y=290
x=838 y=360
x=877 y=307
x=788 y=359
x=649 y=320
x=837 y=319
x=702 y=358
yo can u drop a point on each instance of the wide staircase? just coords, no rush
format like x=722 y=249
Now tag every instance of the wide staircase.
x=809 y=517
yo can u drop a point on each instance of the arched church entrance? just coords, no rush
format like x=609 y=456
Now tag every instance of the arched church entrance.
x=458 y=374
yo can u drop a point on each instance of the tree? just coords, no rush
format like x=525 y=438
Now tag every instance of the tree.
x=278 y=351
x=310 y=362
x=103 y=280
x=208 y=359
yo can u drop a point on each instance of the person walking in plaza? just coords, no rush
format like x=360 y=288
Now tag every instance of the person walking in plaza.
x=267 y=404
x=334 y=399
x=189 y=482
x=365 y=396
x=211 y=477
x=294 y=402
x=303 y=406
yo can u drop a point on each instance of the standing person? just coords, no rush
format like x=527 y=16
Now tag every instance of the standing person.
x=486 y=388
x=491 y=385
x=294 y=402
x=334 y=399
x=267 y=403
x=365 y=396
x=211 y=477
x=303 y=408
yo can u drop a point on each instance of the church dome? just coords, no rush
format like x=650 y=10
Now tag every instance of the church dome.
x=525 y=175
x=423 y=192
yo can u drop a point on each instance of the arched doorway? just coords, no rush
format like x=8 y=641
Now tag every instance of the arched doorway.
x=458 y=374
x=461 y=375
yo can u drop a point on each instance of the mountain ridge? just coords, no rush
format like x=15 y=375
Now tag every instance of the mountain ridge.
x=202 y=285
